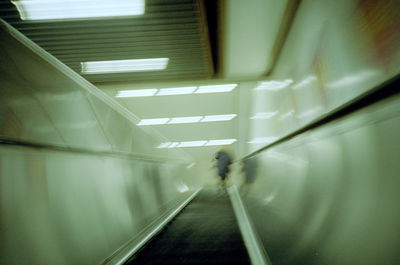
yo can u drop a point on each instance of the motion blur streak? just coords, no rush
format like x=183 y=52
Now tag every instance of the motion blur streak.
x=270 y=135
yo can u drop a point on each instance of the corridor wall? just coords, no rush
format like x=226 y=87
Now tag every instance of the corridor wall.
x=79 y=181
x=321 y=138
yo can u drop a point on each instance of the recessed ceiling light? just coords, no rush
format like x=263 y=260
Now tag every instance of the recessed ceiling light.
x=136 y=93
x=191 y=119
x=123 y=66
x=192 y=143
x=220 y=142
x=77 y=9
x=215 y=88
x=273 y=85
x=224 y=117
x=177 y=120
x=153 y=121
x=264 y=115
x=176 y=91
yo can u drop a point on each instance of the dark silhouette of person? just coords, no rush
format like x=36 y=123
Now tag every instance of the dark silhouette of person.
x=224 y=161
x=249 y=168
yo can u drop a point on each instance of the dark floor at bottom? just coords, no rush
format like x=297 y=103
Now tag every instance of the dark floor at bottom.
x=205 y=232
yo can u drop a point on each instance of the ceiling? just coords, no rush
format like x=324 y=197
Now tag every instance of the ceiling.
x=207 y=42
x=173 y=29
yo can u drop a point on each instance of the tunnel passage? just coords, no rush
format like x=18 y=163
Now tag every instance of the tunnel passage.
x=205 y=232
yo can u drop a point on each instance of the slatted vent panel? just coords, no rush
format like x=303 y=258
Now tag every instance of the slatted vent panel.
x=173 y=29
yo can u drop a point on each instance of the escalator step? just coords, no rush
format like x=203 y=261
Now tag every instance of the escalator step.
x=205 y=232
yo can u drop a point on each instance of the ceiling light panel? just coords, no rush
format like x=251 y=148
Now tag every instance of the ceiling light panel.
x=123 y=66
x=77 y=9
x=136 y=93
x=176 y=91
x=191 y=119
x=153 y=121
x=215 y=88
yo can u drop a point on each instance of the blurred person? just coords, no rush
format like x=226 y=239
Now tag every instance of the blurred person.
x=249 y=169
x=224 y=161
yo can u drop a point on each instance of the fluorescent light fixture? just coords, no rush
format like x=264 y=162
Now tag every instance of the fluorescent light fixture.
x=124 y=66
x=77 y=9
x=263 y=140
x=173 y=91
x=191 y=119
x=153 y=121
x=215 y=88
x=224 y=117
x=264 y=115
x=176 y=91
x=192 y=143
x=178 y=120
x=136 y=93
x=220 y=142
x=273 y=85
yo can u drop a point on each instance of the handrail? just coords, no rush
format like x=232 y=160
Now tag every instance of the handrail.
x=129 y=155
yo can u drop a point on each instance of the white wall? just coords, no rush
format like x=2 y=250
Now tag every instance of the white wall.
x=78 y=178
x=335 y=51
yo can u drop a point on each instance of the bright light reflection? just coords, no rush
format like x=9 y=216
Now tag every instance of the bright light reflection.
x=77 y=9
x=286 y=115
x=264 y=115
x=352 y=79
x=123 y=66
x=173 y=145
x=305 y=82
x=220 y=142
x=153 y=121
x=199 y=143
x=215 y=88
x=176 y=91
x=136 y=93
x=179 y=91
x=192 y=143
x=311 y=112
x=263 y=140
x=164 y=145
x=273 y=85
x=191 y=165
x=224 y=117
x=178 y=120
